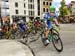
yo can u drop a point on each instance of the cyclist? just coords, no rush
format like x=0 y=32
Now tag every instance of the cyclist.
x=48 y=18
x=22 y=25
x=37 y=22
x=13 y=26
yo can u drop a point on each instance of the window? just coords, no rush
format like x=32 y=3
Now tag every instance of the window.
x=24 y=5
x=16 y=11
x=24 y=11
x=31 y=6
x=31 y=0
x=6 y=1
x=38 y=1
x=43 y=3
x=38 y=12
x=46 y=3
x=38 y=7
x=50 y=3
x=47 y=10
x=43 y=9
x=16 y=4
x=31 y=13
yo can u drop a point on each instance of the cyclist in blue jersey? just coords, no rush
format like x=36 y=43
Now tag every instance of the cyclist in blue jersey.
x=22 y=25
x=48 y=18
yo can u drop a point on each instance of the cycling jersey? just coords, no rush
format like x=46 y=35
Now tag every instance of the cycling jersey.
x=37 y=24
x=48 y=18
x=22 y=25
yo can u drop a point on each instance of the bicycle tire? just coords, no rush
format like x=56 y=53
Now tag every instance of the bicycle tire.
x=54 y=44
x=25 y=40
x=12 y=36
x=35 y=37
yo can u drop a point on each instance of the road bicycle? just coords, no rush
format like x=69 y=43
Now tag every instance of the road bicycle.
x=54 y=37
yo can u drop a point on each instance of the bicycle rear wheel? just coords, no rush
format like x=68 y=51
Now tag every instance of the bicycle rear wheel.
x=57 y=42
x=25 y=39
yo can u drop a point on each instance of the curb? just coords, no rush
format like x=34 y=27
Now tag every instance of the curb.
x=29 y=48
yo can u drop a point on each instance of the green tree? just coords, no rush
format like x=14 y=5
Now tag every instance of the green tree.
x=63 y=9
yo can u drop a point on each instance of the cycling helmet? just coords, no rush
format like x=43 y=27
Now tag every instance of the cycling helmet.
x=51 y=8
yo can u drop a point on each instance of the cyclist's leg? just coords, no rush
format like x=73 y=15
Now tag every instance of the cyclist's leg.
x=49 y=26
x=46 y=32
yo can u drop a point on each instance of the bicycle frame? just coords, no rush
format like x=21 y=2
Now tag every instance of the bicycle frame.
x=50 y=36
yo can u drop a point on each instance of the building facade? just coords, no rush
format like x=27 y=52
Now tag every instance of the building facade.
x=4 y=8
x=17 y=8
x=0 y=8
x=73 y=8
x=26 y=9
x=45 y=6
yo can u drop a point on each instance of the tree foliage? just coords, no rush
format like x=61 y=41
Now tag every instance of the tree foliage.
x=63 y=9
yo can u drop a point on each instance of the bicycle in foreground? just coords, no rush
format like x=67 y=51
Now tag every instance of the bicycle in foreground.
x=54 y=37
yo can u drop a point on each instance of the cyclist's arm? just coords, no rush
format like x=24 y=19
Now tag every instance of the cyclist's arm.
x=55 y=20
x=45 y=23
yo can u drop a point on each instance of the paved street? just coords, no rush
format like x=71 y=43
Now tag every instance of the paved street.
x=68 y=37
x=14 y=48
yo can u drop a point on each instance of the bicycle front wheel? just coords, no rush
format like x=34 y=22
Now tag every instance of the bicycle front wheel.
x=57 y=42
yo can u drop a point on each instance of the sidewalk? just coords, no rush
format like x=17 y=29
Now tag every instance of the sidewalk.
x=13 y=48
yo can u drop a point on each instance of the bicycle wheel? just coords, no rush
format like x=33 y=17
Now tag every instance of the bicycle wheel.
x=34 y=36
x=24 y=36
x=57 y=42
x=12 y=36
